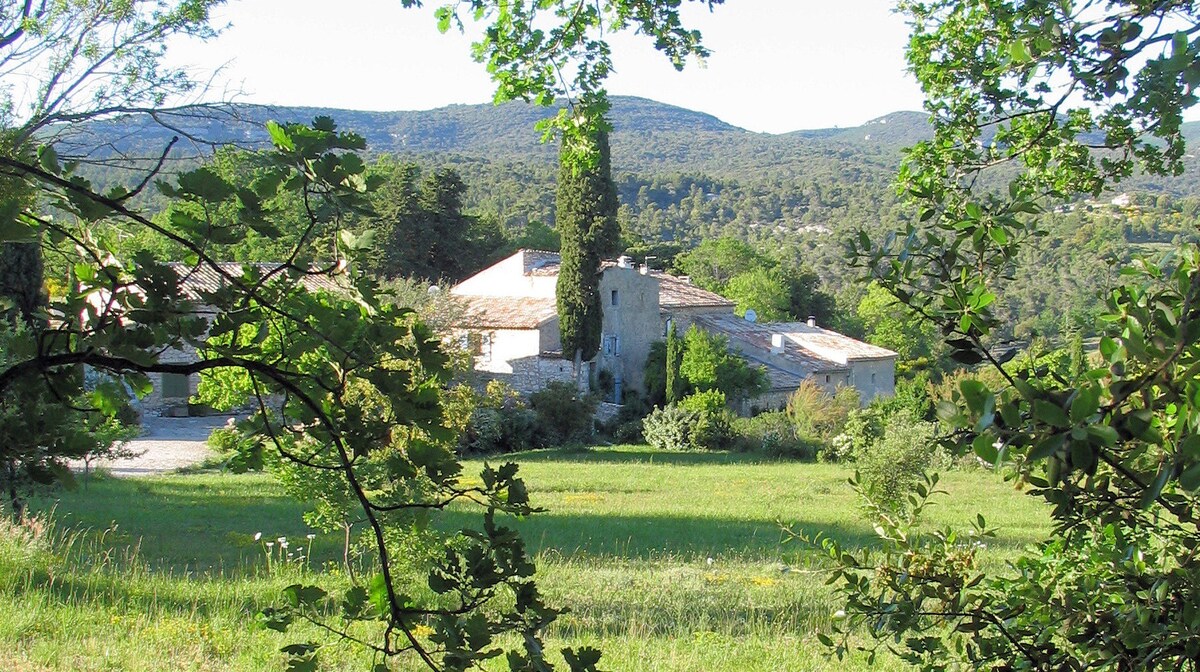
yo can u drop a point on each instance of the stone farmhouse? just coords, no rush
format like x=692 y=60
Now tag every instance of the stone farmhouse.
x=171 y=391
x=511 y=326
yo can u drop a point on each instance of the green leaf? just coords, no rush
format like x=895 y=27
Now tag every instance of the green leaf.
x=1190 y=478
x=48 y=159
x=1050 y=413
x=1155 y=488
x=280 y=137
x=1018 y=52
x=1085 y=404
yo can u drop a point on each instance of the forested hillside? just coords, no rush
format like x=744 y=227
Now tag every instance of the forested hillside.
x=684 y=176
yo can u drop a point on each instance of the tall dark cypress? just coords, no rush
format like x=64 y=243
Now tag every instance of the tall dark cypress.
x=674 y=359
x=21 y=279
x=586 y=217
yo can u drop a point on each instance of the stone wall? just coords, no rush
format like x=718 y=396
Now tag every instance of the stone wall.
x=631 y=324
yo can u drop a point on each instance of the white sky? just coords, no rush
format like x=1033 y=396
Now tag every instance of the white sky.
x=777 y=65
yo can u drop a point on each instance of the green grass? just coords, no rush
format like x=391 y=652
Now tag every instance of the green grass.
x=625 y=544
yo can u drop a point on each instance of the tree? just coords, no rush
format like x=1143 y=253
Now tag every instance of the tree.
x=56 y=58
x=762 y=289
x=674 y=357
x=1037 y=88
x=587 y=222
x=707 y=365
x=889 y=324
x=421 y=228
x=713 y=263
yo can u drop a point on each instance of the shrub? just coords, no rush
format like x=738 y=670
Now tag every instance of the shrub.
x=562 y=415
x=238 y=451
x=713 y=424
x=891 y=466
x=863 y=427
x=817 y=413
x=773 y=434
x=626 y=427
x=670 y=428
x=500 y=430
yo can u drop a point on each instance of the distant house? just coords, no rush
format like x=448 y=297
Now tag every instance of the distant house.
x=171 y=391
x=511 y=326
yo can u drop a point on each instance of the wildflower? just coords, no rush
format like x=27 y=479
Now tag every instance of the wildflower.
x=283 y=544
x=257 y=536
x=710 y=562
x=282 y=540
x=310 y=536
x=270 y=544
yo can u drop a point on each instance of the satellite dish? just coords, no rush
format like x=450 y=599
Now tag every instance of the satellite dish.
x=751 y=316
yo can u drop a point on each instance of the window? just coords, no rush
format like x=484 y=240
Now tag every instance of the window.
x=614 y=297
x=872 y=379
x=175 y=386
x=612 y=344
x=479 y=345
x=827 y=378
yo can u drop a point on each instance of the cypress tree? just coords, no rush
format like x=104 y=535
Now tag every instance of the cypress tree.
x=674 y=357
x=21 y=277
x=586 y=217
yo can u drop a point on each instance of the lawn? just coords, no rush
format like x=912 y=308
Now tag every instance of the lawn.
x=668 y=562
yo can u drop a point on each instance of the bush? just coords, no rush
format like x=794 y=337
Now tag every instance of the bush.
x=773 y=434
x=863 y=427
x=713 y=423
x=562 y=415
x=819 y=414
x=500 y=430
x=626 y=427
x=238 y=451
x=670 y=428
x=890 y=467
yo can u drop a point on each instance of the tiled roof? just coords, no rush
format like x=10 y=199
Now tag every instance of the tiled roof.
x=507 y=312
x=753 y=340
x=195 y=280
x=827 y=342
x=534 y=261
x=674 y=292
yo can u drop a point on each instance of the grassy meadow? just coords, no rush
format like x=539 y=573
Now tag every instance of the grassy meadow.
x=164 y=572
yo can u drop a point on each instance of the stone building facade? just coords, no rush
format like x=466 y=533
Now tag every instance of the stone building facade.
x=511 y=324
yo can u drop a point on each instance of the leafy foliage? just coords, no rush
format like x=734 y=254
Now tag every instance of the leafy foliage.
x=707 y=364
x=563 y=415
x=587 y=225
x=1111 y=448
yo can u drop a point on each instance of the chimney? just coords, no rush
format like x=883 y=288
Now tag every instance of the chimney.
x=812 y=320
x=646 y=266
x=776 y=344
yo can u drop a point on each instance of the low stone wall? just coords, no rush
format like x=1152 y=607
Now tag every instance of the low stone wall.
x=606 y=411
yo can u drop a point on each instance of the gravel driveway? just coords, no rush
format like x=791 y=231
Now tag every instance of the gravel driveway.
x=166 y=444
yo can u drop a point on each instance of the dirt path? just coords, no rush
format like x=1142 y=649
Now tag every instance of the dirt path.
x=166 y=444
